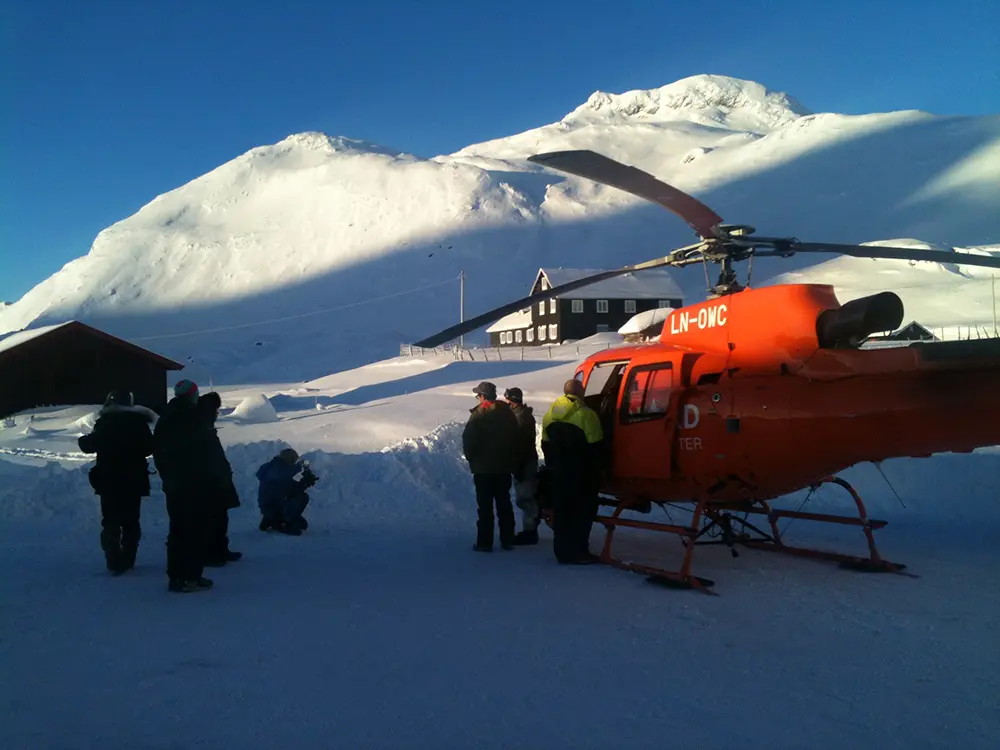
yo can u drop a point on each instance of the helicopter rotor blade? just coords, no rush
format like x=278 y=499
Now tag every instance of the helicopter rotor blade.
x=511 y=307
x=875 y=251
x=600 y=168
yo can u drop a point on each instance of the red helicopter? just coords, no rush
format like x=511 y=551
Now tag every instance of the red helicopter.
x=753 y=394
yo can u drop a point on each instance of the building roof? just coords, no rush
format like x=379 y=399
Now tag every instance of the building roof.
x=656 y=283
x=646 y=320
x=910 y=328
x=14 y=340
x=11 y=340
x=512 y=322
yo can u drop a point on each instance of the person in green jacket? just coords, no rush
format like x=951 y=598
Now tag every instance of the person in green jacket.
x=572 y=443
x=489 y=442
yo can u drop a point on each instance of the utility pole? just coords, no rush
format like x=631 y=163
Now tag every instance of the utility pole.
x=461 y=306
x=994 y=285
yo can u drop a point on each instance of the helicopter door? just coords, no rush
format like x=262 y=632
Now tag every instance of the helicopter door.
x=644 y=444
x=601 y=395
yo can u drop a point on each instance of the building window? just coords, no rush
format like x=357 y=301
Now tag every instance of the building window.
x=630 y=306
x=541 y=307
x=517 y=336
x=663 y=303
x=577 y=306
x=602 y=305
x=541 y=333
x=552 y=305
x=553 y=333
x=530 y=335
x=602 y=328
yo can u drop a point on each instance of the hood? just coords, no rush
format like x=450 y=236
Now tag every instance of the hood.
x=150 y=415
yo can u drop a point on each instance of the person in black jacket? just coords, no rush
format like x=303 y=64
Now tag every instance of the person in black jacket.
x=489 y=442
x=217 y=552
x=183 y=453
x=525 y=467
x=122 y=440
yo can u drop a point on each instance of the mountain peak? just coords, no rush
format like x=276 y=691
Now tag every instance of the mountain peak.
x=312 y=140
x=707 y=99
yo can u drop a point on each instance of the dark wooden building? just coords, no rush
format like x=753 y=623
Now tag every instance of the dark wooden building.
x=73 y=363
x=602 y=307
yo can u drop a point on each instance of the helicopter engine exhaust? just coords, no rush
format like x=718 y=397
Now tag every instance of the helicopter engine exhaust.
x=851 y=323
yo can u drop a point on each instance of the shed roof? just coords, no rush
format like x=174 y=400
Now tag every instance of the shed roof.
x=655 y=283
x=512 y=322
x=10 y=342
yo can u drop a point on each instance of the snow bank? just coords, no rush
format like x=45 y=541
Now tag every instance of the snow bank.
x=420 y=480
x=255 y=410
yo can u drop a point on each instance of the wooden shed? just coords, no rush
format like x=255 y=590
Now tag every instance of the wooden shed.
x=73 y=363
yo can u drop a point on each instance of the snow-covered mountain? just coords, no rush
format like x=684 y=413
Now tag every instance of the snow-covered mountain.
x=319 y=253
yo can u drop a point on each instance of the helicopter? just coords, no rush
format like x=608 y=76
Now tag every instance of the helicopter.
x=757 y=393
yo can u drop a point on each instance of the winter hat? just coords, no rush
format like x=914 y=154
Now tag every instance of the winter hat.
x=487 y=390
x=212 y=400
x=514 y=394
x=186 y=389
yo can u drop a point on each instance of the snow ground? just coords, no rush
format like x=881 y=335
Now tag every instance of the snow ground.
x=380 y=628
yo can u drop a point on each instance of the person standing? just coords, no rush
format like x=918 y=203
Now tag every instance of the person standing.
x=122 y=440
x=181 y=451
x=572 y=442
x=489 y=442
x=525 y=467
x=221 y=498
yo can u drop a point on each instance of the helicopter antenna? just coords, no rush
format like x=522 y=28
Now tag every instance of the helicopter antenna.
x=749 y=270
x=878 y=465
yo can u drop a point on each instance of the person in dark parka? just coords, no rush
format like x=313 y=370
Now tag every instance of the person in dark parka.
x=526 y=467
x=182 y=451
x=280 y=497
x=217 y=552
x=489 y=442
x=122 y=440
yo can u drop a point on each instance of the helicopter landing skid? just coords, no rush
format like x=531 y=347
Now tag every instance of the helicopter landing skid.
x=679 y=579
x=748 y=535
x=774 y=543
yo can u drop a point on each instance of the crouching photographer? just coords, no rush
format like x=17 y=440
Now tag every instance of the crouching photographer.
x=280 y=497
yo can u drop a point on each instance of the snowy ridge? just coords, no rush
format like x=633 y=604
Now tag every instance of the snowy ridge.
x=715 y=100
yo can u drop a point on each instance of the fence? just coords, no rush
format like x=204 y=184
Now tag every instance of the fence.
x=508 y=353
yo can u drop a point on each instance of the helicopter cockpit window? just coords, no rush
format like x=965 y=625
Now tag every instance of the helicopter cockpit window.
x=647 y=393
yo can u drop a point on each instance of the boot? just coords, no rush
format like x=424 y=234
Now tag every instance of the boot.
x=189 y=587
x=526 y=537
x=111 y=545
x=127 y=560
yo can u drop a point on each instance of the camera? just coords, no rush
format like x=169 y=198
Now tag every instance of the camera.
x=308 y=477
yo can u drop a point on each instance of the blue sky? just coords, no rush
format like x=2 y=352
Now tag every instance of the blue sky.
x=112 y=102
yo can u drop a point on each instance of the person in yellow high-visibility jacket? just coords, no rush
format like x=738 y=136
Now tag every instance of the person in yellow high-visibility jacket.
x=572 y=442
